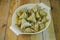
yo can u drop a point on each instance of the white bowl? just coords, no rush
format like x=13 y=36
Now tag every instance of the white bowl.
x=16 y=30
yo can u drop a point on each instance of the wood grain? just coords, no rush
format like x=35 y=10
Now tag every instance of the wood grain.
x=4 y=9
x=9 y=34
x=24 y=37
x=56 y=17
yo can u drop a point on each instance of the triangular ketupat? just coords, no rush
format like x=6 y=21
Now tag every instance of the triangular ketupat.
x=29 y=30
x=25 y=24
x=37 y=15
x=24 y=15
x=32 y=18
x=42 y=13
x=36 y=27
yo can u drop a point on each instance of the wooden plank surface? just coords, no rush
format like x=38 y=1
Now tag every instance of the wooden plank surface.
x=4 y=9
x=56 y=17
x=6 y=18
x=9 y=34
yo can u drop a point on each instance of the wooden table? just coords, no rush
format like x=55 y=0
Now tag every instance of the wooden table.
x=7 y=8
